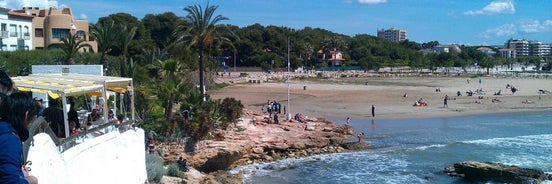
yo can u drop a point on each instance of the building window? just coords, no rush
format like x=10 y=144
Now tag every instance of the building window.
x=60 y=33
x=13 y=30
x=81 y=35
x=26 y=33
x=39 y=32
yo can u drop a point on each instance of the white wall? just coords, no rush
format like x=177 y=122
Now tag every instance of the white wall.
x=111 y=158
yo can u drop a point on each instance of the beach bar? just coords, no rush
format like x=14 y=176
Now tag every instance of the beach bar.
x=70 y=84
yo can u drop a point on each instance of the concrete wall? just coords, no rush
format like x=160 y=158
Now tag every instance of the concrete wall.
x=111 y=158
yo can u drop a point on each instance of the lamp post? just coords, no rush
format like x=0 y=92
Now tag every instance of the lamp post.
x=288 y=115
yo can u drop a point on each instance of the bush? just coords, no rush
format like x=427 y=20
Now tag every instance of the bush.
x=154 y=167
x=173 y=170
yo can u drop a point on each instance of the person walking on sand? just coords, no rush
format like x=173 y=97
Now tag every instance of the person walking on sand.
x=373 y=111
x=445 y=104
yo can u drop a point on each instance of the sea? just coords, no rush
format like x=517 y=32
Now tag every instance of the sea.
x=418 y=150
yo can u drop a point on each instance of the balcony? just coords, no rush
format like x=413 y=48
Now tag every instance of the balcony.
x=26 y=36
x=4 y=34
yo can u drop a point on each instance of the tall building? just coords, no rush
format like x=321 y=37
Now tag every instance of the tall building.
x=15 y=30
x=538 y=49
x=50 y=25
x=393 y=35
x=524 y=47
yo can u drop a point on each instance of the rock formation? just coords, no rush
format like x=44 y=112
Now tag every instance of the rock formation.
x=487 y=171
x=254 y=141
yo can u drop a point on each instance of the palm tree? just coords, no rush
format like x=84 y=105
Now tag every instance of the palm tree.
x=201 y=33
x=171 y=84
x=104 y=34
x=125 y=35
x=71 y=45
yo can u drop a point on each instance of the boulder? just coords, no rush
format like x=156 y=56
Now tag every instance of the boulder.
x=497 y=172
x=355 y=145
x=220 y=161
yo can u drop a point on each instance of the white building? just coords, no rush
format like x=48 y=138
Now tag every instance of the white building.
x=487 y=51
x=15 y=30
x=536 y=48
x=393 y=35
x=507 y=53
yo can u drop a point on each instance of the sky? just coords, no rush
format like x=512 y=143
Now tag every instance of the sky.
x=468 y=22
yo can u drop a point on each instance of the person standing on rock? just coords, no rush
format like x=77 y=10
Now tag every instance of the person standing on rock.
x=359 y=136
x=373 y=111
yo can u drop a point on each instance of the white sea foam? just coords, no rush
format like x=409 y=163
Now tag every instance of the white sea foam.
x=422 y=148
x=540 y=141
x=526 y=151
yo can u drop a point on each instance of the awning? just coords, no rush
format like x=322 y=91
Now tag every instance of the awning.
x=63 y=85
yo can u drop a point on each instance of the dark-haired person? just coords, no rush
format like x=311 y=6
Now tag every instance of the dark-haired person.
x=6 y=84
x=17 y=111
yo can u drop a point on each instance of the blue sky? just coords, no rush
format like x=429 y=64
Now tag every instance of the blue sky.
x=470 y=22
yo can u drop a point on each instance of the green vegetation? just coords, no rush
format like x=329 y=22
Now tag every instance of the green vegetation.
x=154 y=168
x=172 y=170
x=173 y=60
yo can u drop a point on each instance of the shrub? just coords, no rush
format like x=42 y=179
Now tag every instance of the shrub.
x=172 y=170
x=154 y=167
x=231 y=110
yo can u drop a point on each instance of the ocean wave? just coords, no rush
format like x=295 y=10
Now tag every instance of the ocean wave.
x=543 y=140
x=422 y=148
x=531 y=151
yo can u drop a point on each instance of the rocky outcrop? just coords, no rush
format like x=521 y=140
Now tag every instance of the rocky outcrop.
x=487 y=171
x=355 y=145
x=253 y=141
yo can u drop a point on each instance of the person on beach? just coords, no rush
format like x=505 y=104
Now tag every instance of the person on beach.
x=445 y=104
x=348 y=120
x=373 y=111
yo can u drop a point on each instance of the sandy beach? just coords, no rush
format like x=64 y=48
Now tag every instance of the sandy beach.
x=353 y=97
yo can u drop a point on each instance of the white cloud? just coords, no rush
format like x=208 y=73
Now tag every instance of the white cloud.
x=534 y=26
x=371 y=1
x=83 y=16
x=495 y=7
x=525 y=26
x=19 y=4
x=503 y=30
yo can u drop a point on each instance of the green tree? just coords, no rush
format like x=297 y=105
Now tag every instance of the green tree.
x=105 y=34
x=161 y=27
x=204 y=29
x=71 y=46
x=125 y=35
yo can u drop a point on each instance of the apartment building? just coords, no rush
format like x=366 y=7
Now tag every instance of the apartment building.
x=15 y=29
x=50 y=25
x=536 y=48
x=393 y=35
